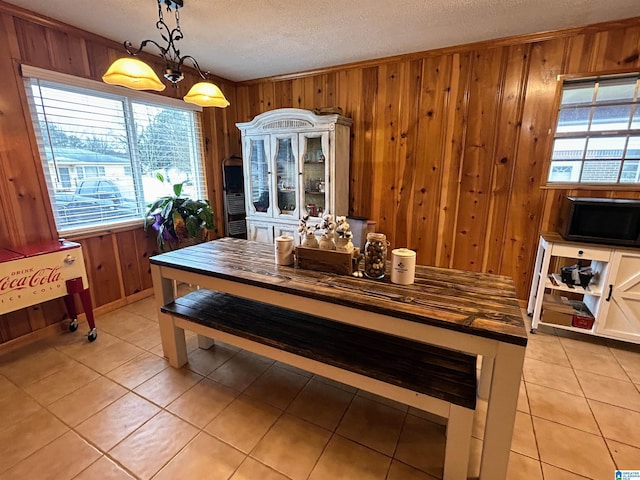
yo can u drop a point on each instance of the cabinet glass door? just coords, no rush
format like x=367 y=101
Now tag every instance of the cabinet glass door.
x=259 y=175
x=314 y=177
x=286 y=176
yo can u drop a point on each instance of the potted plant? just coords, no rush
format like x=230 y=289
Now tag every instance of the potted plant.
x=178 y=219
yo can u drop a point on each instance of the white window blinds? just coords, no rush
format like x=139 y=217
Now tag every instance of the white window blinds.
x=101 y=150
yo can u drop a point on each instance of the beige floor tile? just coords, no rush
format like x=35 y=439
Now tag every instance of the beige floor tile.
x=252 y=469
x=28 y=365
x=522 y=467
x=552 y=376
x=146 y=339
x=145 y=308
x=86 y=401
x=77 y=347
x=292 y=446
x=151 y=446
x=385 y=401
x=62 y=459
x=206 y=361
x=524 y=440
x=28 y=435
x=277 y=387
x=570 y=410
x=554 y=473
x=104 y=469
x=115 y=422
x=203 y=457
x=321 y=404
x=573 y=450
x=550 y=352
x=400 y=471
x=523 y=400
x=66 y=380
x=340 y=385
x=243 y=423
x=203 y=402
x=138 y=370
x=479 y=419
x=15 y=405
x=372 y=424
x=475 y=455
x=297 y=370
x=574 y=341
x=343 y=459
x=609 y=390
x=421 y=445
x=112 y=356
x=168 y=385
x=630 y=361
x=123 y=323
x=240 y=371
x=602 y=363
x=626 y=457
x=617 y=423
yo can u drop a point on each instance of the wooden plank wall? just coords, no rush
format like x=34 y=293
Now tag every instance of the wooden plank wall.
x=117 y=262
x=448 y=154
x=450 y=147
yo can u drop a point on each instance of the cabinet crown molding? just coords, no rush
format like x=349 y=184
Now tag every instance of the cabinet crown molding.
x=296 y=118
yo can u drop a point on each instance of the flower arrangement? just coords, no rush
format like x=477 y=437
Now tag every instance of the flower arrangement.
x=343 y=229
x=178 y=218
x=328 y=225
x=304 y=228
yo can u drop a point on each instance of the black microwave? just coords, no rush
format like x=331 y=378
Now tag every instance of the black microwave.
x=600 y=220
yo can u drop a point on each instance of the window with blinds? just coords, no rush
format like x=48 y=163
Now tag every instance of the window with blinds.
x=597 y=137
x=101 y=150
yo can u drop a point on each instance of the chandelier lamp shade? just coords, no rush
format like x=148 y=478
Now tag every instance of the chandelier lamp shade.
x=133 y=73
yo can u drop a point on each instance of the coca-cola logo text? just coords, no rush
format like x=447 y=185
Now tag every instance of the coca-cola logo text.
x=29 y=278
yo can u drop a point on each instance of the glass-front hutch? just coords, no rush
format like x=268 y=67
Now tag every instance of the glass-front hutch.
x=296 y=163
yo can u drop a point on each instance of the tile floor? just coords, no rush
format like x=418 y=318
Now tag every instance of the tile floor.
x=114 y=409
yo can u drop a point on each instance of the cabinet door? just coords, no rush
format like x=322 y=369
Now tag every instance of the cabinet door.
x=620 y=317
x=314 y=152
x=281 y=229
x=258 y=176
x=259 y=232
x=284 y=148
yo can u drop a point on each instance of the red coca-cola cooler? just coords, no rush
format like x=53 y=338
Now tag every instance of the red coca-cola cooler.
x=39 y=272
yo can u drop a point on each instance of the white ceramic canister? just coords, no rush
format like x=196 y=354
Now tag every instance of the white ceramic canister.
x=403 y=266
x=284 y=250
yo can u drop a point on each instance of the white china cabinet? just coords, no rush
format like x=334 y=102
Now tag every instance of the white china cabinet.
x=295 y=163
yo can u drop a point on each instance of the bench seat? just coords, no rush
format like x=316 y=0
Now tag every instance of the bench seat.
x=424 y=375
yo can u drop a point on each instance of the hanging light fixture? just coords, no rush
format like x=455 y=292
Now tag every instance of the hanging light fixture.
x=134 y=73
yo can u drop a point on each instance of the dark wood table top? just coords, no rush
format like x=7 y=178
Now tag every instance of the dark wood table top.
x=479 y=304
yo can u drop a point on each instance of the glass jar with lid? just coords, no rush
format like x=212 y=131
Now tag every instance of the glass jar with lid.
x=375 y=255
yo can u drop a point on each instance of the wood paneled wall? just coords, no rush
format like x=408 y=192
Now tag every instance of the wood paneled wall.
x=117 y=261
x=450 y=148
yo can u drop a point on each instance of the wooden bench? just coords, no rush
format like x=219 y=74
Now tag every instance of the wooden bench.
x=431 y=378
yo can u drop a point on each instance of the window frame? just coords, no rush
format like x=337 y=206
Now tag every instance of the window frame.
x=582 y=77
x=139 y=97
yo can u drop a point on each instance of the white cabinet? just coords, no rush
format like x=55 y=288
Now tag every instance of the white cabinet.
x=620 y=314
x=612 y=296
x=296 y=163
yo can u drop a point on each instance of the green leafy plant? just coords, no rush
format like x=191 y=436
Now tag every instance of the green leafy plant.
x=177 y=218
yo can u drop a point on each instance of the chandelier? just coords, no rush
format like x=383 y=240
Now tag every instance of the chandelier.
x=133 y=73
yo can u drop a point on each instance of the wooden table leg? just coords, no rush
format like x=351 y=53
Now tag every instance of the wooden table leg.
x=501 y=411
x=174 y=345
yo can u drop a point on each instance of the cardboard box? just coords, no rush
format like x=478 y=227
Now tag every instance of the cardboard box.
x=569 y=313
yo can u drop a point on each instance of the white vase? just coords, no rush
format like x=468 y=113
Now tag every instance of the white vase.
x=344 y=245
x=327 y=243
x=310 y=241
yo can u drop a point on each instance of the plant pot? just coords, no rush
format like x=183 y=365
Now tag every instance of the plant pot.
x=310 y=241
x=327 y=243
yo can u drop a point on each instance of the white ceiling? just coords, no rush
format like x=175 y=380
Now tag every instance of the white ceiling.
x=248 y=39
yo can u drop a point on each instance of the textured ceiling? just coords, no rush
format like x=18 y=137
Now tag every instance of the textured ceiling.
x=247 y=39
